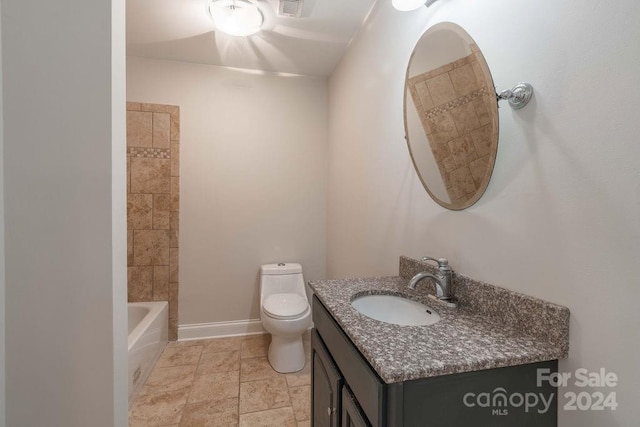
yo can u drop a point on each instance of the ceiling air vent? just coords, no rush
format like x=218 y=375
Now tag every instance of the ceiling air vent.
x=290 y=8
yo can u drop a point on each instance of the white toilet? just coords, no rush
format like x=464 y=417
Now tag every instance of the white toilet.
x=285 y=314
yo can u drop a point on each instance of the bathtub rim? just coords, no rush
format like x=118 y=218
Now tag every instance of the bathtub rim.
x=155 y=307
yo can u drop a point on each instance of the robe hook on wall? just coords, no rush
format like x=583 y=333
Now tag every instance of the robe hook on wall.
x=518 y=96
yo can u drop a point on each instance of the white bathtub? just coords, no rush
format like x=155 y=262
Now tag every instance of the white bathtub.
x=148 y=335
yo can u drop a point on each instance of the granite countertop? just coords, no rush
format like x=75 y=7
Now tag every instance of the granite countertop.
x=465 y=339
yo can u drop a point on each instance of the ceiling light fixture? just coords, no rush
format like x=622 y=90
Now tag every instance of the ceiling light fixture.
x=407 y=5
x=236 y=17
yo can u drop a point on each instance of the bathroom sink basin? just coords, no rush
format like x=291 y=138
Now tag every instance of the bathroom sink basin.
x=395 y=309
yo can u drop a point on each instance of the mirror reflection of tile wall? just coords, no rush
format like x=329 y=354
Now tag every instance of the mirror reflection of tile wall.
x=453 y=103
x=153 y=202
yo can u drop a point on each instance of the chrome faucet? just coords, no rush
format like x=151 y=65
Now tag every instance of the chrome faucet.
x=442 y=279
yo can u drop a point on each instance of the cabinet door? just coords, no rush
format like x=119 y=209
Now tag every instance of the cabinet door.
x=351 y=414
x=326 y=383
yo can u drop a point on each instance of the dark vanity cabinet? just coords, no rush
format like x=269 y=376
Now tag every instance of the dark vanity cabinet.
x=326 y=386
x=347 y=392
x=333 y=404
x=352 y=416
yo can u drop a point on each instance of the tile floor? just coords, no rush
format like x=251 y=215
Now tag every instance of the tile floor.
x=222 y=382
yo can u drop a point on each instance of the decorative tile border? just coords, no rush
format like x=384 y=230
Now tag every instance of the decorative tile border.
x=154 y=153
x=440 y=109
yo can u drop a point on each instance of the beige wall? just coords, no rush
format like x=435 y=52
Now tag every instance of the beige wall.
x=253 y=178
x=153 y=205
x=3 y=417
x=560 y=217
x=65 y=213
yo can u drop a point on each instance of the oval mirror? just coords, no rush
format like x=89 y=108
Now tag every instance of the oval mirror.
x=451 y=116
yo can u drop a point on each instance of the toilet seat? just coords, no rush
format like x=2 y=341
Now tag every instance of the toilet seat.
x=285 y=306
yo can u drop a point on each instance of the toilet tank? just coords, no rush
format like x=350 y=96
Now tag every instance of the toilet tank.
x=281 y=278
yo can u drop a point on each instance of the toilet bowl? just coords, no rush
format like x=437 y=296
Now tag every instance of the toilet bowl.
x=285 y=314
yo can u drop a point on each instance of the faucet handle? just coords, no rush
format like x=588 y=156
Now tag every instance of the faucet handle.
x=443 y=263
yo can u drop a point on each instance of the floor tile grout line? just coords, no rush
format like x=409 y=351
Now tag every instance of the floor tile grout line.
x=294 y=412
x=238 y=406
x=197 y=365
x=164 y=393
x=193 y=380
x=253 y=357
x=291 y=402
x=264 y=410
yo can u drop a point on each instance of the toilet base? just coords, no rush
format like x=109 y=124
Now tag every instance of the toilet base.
x=286 y=354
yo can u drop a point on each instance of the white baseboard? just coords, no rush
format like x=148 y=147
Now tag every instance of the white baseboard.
x=220 y=329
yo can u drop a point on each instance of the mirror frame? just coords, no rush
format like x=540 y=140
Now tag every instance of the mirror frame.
x=489 y=79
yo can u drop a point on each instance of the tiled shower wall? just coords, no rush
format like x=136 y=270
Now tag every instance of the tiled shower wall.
x=153 y=204
x=454 y=104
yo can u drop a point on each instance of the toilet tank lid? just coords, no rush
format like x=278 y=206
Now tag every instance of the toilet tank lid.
x=281 y=268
